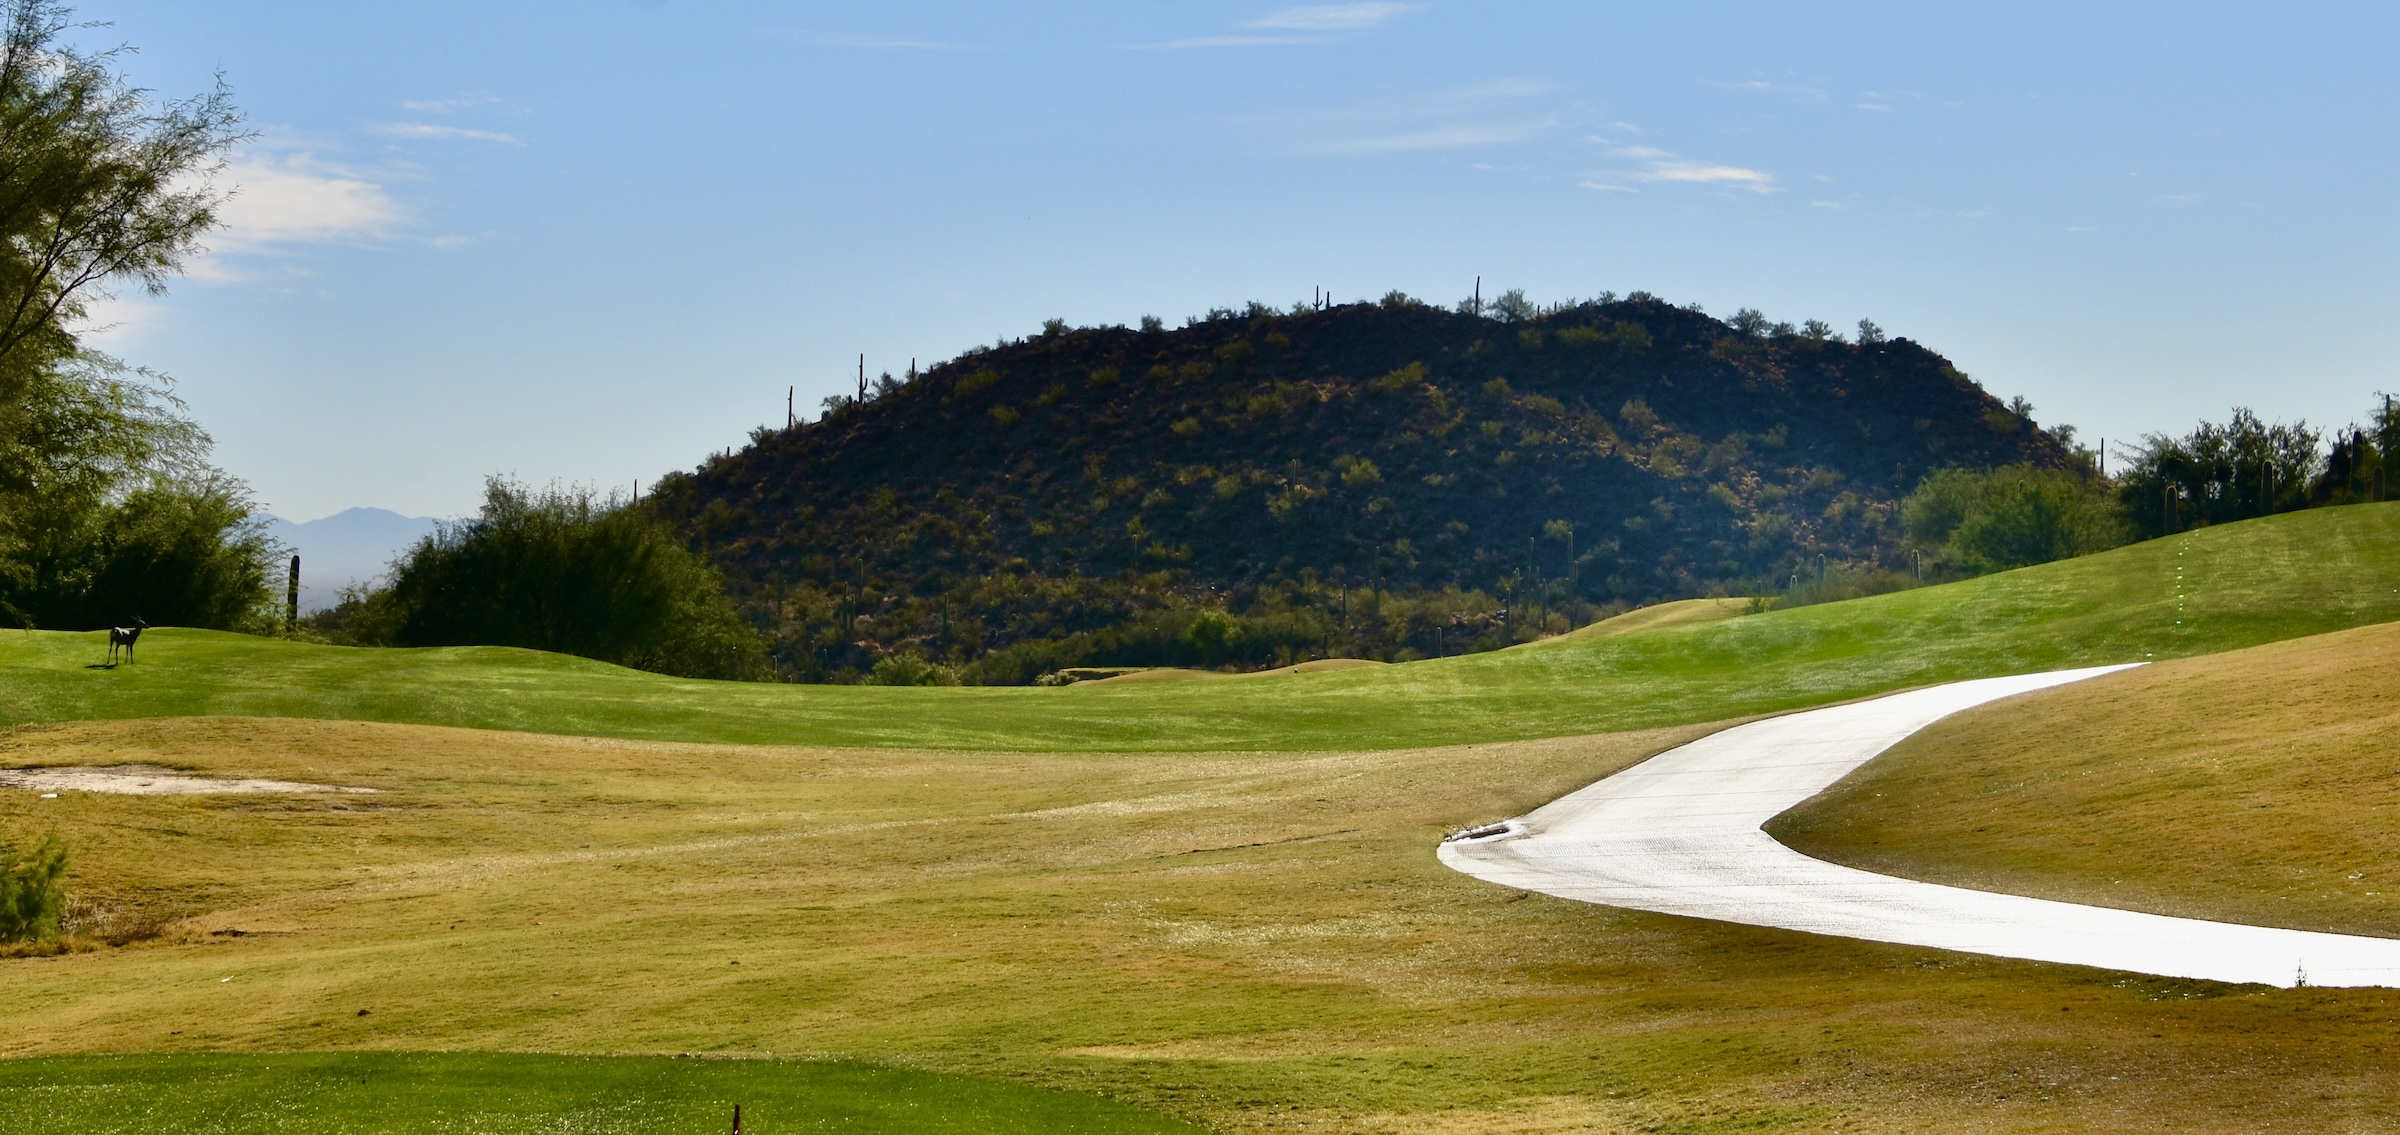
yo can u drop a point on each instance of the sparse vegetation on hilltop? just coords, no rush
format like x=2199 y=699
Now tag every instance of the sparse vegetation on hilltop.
x=1386 y=480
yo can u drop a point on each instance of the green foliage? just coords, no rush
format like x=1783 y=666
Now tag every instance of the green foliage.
x=1983 y=521
x=32 y=891
x=1357 y=472
x=2219 y=473
x=909 y=668
x=96 y=184
x=107 y=511
x=1401 y=378
x=561 y=570
x=976 y=383
x=1214 y=635
x=1513 y=307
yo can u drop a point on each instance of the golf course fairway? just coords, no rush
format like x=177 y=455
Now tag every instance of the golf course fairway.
x=2201 y=592
x=1214 y=902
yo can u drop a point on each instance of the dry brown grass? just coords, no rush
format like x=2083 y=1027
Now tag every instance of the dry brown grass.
x=1260 y=941
x=2261 y=785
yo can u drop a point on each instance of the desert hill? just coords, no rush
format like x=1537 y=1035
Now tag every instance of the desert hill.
x=1385 y=480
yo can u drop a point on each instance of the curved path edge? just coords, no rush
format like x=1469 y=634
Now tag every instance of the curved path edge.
x=1681 y=834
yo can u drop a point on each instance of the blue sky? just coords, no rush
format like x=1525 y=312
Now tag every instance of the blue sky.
x=593 y=242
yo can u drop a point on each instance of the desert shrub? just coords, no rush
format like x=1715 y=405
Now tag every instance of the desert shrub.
x=909 y=668
x=32 y=891
x=1404 y=378
x=2221 y=473
x=186 y=552
x=1214 y=636
x=2010 y=517
x=561 y=570
x=976 y=383
x=108 y=510
x=1834 y=584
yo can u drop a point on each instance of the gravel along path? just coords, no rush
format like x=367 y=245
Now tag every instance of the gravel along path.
x=1680 y=834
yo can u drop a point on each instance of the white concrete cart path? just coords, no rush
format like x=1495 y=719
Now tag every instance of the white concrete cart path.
x=1680 y=834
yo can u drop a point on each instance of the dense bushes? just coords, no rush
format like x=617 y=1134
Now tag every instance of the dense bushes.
x=32 y=894
x=564 y=571
x=109 y=513
x=2220 y=473
x=1976 y=522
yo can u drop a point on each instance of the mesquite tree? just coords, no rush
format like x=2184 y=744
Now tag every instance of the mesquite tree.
x=101 y=187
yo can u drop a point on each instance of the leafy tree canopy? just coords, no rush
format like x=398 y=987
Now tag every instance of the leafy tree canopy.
x=108 y=510
x=566 y=571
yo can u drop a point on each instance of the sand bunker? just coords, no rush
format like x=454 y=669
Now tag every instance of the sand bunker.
x=147 y=780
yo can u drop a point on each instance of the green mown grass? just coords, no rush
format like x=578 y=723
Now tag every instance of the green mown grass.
x=2211 y=590
x=368 y=1093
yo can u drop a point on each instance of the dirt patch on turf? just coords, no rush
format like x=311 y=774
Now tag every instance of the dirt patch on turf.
x=149 y=780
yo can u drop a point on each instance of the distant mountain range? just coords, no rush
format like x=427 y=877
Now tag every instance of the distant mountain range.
x=1279 y=463
x=353 y=546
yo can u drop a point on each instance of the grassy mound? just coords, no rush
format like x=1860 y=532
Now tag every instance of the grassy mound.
x=2252 y=786
x=2211 y=590
x=516 y=1094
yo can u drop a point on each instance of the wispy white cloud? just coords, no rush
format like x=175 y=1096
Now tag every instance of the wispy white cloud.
x=289 y=199
x=1441 y=138
x=436 y=131
x=449 y=105
x=1487 y=114
x=866 y=43
x=1330 y=17
x=1787 y=91
x=1663 y=167
x=1208 y=41
x=113 y=321
x=1705 y=173
x=1292 y=27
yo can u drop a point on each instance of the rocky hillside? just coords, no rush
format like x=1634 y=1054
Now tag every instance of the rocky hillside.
x=1084 y=495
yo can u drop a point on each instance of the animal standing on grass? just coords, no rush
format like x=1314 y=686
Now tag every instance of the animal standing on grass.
x=125 y=637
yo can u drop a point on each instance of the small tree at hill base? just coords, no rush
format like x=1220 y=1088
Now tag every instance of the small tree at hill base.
x=562 y=570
